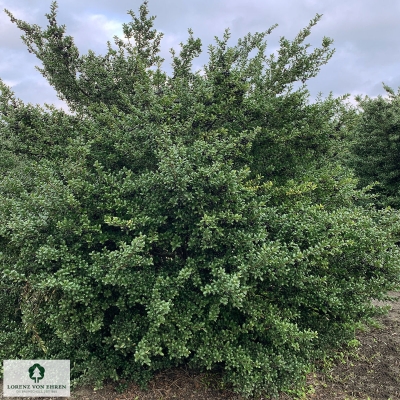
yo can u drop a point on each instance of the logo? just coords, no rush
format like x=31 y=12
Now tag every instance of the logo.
x=36 y=378
x=36 y=372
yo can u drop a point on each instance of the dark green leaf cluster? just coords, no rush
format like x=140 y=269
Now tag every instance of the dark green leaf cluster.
x=199 y=220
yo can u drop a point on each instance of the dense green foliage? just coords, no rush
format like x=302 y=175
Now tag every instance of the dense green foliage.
x=375 y=147
x=194 y=219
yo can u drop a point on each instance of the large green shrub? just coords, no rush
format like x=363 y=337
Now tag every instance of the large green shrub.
x=196 y=220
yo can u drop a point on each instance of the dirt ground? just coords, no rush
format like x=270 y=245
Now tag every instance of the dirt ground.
x=370 y=372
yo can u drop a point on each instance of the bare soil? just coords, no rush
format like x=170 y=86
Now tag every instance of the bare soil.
x=369 y=372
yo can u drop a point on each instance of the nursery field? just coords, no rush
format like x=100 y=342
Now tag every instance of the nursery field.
x=371 y=371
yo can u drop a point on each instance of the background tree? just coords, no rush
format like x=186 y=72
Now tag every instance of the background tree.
x=185 y=220
x=375 y=148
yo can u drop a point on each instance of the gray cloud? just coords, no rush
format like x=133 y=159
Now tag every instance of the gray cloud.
x=365 y=36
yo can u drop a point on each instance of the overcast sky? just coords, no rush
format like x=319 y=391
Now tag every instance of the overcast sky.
x=365 y=32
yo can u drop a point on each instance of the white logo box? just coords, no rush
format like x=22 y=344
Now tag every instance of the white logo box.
x=36 y=378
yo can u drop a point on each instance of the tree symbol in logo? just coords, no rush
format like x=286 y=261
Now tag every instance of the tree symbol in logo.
x=36 y=372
